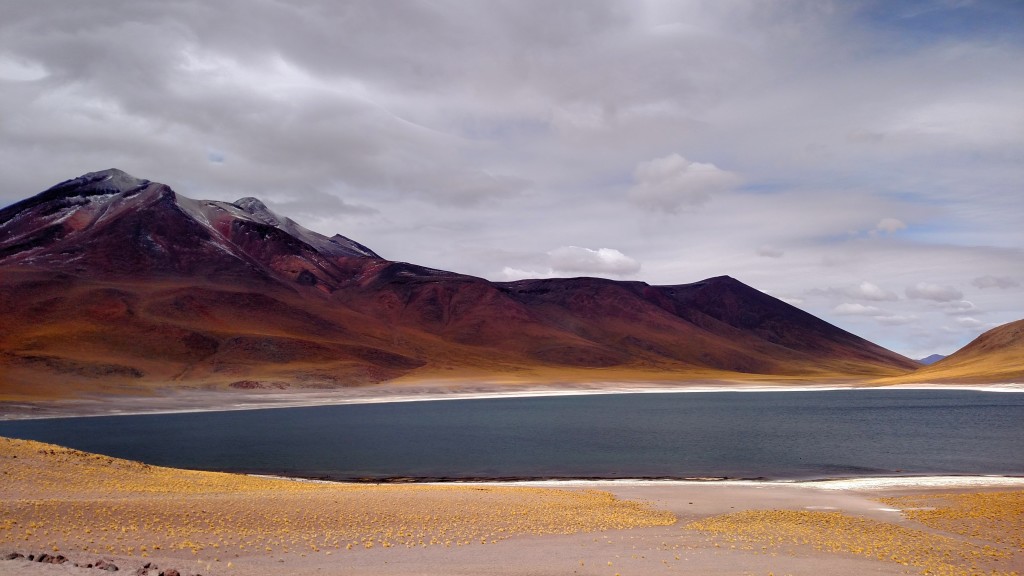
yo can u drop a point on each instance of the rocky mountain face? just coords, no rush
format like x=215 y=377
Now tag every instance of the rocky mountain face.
x=109 y=282
x=110 y=224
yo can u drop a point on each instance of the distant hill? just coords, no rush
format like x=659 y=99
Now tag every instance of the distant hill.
x=995 y=356
x=932 y=359
x=110 y=283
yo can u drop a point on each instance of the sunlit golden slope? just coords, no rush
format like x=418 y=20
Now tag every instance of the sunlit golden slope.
x=995 y=356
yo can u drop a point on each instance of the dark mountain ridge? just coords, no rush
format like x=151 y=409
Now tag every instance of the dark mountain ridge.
x=109 y=280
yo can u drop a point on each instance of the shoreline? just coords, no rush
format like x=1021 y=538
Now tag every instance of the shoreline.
x=846 y=483
x=222 y=524
x=196 y=401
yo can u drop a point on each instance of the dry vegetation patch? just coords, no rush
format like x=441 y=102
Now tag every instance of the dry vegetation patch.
x=835 y=532
x=987 y=516
x=67 y=500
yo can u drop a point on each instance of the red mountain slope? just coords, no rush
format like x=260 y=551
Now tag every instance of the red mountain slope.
x=108 y=282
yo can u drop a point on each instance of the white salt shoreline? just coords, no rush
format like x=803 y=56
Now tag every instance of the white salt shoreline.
x=194 y=401
x=862 y=483
x=866 y=483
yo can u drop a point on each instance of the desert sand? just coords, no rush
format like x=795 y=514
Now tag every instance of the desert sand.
x=88 y=507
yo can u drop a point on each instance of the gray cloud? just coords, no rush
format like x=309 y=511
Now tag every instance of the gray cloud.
x=855 y=309
x=889 y=226
x=882 y=317
x=672 y=182
x=863 y=290
x=600 y=261
x=895 y=319
x=312 y=204
x=868 y=291
x=970 y=322
x=929 y=291
x=989 y=281
x=960 y=307
x=475 y=137
x=769 y=251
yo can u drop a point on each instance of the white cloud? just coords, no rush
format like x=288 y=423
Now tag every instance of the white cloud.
x=20 y=70
x=585 y=260
x=510 y=274
x=936 y=292
x=669 y=183
x=855 y=309
x=375 y=119
x=883 y=317
x=889 y=225
x=989 y=281
x=869 y=291
x=969 y=322
x=573 y=260
x=895 y=319
x=959 y=307
x=769 y=251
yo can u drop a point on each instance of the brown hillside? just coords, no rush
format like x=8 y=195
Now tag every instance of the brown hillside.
x=115 y=284
x=995 y=356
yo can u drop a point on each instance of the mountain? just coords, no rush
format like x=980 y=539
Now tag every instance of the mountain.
x=995 y=356
x=931 y=359
x=109 y=283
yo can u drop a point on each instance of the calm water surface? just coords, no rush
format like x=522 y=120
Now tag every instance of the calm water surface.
x=721 y=434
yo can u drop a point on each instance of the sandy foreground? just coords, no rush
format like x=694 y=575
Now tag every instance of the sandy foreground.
x=87 y=507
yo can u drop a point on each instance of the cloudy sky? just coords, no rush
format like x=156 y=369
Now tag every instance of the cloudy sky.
x=863 y=160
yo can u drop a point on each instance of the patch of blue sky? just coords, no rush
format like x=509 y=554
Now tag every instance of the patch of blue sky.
x=917 y=198
x=937 y=233
x=765 y=187
x=930 y=21
x=933 y=227
x=966 y=237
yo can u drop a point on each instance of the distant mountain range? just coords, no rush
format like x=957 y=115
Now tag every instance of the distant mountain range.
x=109 y=283
x=931 y=359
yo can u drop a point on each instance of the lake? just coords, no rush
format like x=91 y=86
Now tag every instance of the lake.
x=773 y=435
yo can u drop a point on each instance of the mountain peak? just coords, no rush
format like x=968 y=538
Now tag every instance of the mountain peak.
x=109 y=173
x=111 y=279
x=257 y=209
x=109 y=181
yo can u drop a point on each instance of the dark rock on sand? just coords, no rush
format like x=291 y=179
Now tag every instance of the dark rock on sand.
x=107 y=565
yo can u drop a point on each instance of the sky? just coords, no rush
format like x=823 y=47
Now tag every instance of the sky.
x=862 y=160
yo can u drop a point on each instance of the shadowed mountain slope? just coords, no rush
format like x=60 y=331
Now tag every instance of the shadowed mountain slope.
x=111 y=283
